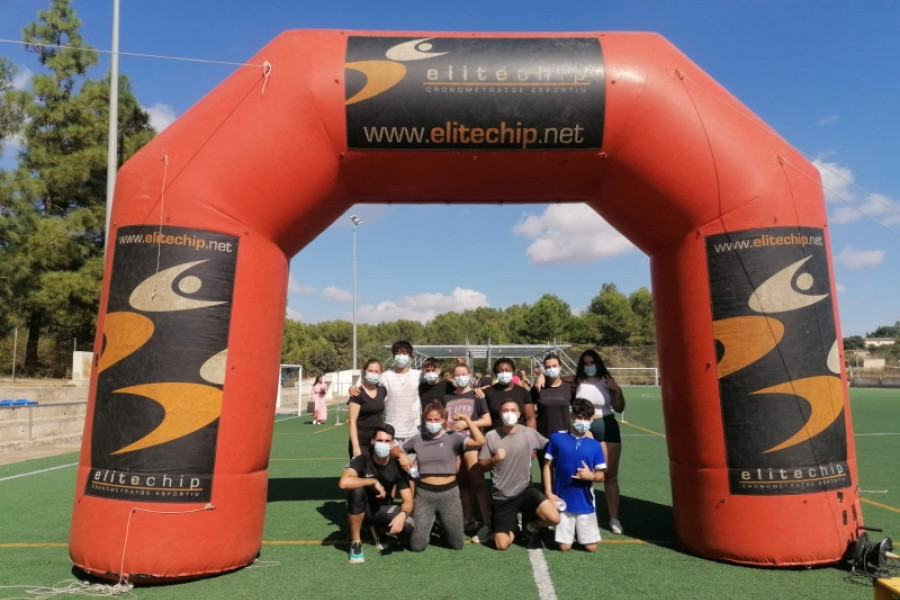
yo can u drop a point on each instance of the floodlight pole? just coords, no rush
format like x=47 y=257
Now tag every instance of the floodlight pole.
x=112 y=148
x=356 y=223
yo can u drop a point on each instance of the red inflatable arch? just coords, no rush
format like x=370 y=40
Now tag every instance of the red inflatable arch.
x=173 y=472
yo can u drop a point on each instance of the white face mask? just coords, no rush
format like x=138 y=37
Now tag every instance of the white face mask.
x=551 y=372
x=401 y=360
x=431 y=376
x=373 y=378
x=510 y=418
x=382 y=449
x=461 y=380
x=434 y=428
x=582 y=427
x=504 y=377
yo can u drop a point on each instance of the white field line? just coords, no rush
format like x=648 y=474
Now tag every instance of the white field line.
x=541 y=573
x=37 y=472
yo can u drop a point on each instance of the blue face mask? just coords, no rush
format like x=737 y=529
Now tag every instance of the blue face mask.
x=431 y=376
x=434 y=428
x=504 y=377
x=373 y=378
x=552 y=372
x=590 y=370
x=581 y=427
x=401 y=360
x=461 y=380
x=381 y=449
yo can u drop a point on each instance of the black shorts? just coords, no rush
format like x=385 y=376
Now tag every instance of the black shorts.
x=503 y=512
x=606 y=430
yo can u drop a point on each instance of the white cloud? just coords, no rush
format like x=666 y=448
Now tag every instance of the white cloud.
x=337 y=294
x=828 y=120
x=296 y=288
x=852 y=258
x=161 y=116
x=294 y=315
x=22 y=79
x=837 y=181
x=841 y=288
x=571 y=233
x=422 y=307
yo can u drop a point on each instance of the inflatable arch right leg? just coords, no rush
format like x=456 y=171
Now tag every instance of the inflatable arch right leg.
x=173 y=470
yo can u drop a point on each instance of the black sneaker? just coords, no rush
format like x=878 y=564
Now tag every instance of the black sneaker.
x=531 y=538
x=356 y=553
x=484 y=535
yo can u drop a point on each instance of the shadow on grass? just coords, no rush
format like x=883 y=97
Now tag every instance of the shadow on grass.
x=642 y=519
x=291 y=489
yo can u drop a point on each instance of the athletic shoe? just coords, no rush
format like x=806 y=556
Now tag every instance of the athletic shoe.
x=356 y=553
x=471 y=528
x=483 y=536
x=615 y=526
x=379 y=545
x=532 y=538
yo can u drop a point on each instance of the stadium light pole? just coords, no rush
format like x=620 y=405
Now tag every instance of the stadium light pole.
x=356 y=223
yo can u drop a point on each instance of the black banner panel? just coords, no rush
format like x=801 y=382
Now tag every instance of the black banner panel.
x=162 y=370
x=477 y=93
x=778 y=361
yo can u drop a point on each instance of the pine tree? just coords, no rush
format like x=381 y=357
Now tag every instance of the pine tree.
x=54 y=203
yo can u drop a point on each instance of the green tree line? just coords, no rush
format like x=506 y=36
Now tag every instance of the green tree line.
x=611 y=319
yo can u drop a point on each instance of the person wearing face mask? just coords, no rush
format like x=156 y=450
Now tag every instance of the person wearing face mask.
x=366 y=408
x=401 y=405
x=437 y=451
x=507 y=452
x=504 y=389
x=462 y=400
x=552 y=398
x=594 y=382
x=574 y=462
x=369 y=478
x=433 y=385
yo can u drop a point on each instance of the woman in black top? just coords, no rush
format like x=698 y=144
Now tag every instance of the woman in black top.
x=366 y=409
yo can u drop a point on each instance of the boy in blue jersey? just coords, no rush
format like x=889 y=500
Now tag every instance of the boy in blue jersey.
x=574 y=463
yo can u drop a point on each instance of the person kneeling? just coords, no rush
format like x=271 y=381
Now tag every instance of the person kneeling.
x=507 y=452
x=577 y=462
x=370 y=479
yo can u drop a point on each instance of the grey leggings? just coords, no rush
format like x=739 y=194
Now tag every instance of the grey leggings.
x=430 y=503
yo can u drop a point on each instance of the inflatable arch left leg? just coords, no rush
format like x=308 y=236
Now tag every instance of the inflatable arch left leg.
x=173 y=470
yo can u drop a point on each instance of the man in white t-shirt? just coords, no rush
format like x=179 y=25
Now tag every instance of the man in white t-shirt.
x=402 y=408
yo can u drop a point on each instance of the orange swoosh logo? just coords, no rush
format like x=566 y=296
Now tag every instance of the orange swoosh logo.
x=825 y=397
x=188 y=407
x=381 y=75
x=746 y=340
x=124 y=332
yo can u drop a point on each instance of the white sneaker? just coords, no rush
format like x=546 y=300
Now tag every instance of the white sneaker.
x=615 y=526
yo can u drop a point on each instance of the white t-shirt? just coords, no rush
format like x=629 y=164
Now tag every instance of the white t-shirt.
x=598 y=394
x=401 y=405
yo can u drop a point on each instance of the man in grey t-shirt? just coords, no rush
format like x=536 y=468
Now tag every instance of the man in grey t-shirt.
x=508 y=452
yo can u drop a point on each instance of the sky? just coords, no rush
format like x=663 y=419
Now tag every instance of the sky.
x=824 y=74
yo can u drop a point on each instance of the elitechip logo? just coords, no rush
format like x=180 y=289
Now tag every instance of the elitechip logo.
x=162 y=369
x=783 y=419
x=462 y=92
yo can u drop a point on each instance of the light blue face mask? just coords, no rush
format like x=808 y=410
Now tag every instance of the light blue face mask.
x=401 y=360
x=590 y=370
x=381 y=449
x=373 y=378
x=504 y=377
x=461 y=381
x=581 y=427
x=552 y=372
x=431 y=376
x=434 y=428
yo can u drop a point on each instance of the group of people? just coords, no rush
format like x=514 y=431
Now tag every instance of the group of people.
x=427 y=441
